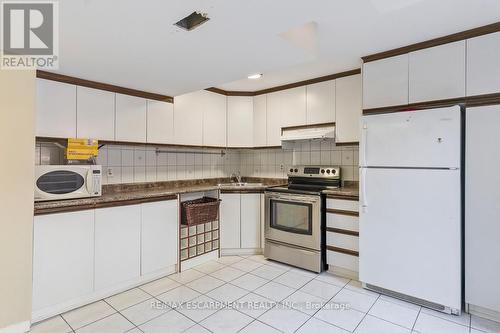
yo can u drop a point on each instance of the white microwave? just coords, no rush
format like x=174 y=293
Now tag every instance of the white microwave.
x=57 y=182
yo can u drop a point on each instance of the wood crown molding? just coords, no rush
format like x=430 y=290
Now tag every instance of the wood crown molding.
x=285 y=86
x=468 y=101
x=471 y=33
x=102 y=86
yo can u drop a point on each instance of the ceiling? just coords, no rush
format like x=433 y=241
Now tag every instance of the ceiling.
x=134 y=43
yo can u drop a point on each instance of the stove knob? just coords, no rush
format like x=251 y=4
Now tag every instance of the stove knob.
x=333 y=172
x=291 y=170
x=322 y=170
x=296 y=170
x=328 y=171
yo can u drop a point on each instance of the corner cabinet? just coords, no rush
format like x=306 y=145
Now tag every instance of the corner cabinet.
x=55 y=109
x=214 y=109
x=188 y=119
x=348 y=109
x=240 y=121
x=259 y=121
x=130 y=119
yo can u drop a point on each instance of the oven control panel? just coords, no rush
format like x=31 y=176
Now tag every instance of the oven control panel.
x=314 y=171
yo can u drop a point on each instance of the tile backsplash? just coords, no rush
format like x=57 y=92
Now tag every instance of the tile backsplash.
x=137 y=164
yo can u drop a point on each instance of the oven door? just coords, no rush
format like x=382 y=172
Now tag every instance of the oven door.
x=293 y=219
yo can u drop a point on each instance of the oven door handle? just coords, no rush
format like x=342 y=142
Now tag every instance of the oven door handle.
x=298 y=199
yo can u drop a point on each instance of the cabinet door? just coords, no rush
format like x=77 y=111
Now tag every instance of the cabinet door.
x=239 y=121
x=274 y=119
x=63 y=257
x=230 y=221
x=385 y=82
x=482 y=224
x=260 y=121
x=117 y=245
x=250 y=221
x=214 y=119
x=95 y=111
x=321 y=102
x=437 y=73
x=348 y=110
x=483 y=71
x=160 y=122
x=159 y=236
x=130 y=118
x=55 y=109
x=188 y=119
x=293 y=106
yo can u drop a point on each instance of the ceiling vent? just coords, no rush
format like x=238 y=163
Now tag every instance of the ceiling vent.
x=194 y=20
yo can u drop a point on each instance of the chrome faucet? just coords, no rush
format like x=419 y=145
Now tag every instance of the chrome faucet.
x=237 y=176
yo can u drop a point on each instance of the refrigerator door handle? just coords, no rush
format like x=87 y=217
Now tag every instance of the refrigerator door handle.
x=364 y=134
x=364 y=202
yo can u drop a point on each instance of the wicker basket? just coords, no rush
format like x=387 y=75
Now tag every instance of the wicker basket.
x=200 y=211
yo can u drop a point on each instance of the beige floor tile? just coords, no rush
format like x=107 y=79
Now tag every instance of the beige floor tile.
x=51 y=325
x=115 y=323
x=160 y=286
x=88 y=314
x=127 y=298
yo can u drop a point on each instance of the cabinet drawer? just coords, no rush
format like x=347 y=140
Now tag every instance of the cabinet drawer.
x=342 y=260
x=340 y=221
x=343 y=241
x=347 y=205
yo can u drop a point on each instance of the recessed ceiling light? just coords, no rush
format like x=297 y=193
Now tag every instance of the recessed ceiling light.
x=193 y=20
x=255 y=76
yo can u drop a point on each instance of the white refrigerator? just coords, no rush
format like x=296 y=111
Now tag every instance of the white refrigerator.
x=410 y=222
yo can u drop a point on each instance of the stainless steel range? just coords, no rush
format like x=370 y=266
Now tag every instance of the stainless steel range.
x=295 y=217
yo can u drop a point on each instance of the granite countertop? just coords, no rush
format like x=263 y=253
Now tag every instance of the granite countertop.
x=350 y=189
x=128 y=194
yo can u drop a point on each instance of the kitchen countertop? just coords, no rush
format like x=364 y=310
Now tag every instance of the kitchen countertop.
x=350 y=190
x=129 y=194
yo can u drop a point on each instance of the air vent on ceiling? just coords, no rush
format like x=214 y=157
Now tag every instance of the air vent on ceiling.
x=194 y=20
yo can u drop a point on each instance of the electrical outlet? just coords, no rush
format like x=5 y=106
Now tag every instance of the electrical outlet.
x=110 y=172
x=282 y=167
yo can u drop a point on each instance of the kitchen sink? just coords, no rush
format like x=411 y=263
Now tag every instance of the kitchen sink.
x=240 y=185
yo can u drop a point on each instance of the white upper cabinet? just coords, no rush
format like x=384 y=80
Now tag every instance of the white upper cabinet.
x=437 y=73
x=240 y=122
x=293 y=106
x=385 y=82
x=55 y=109
x=259 y=120
x=274 y=119
x=348 y=108
x=95 y=110
x=130 y=118
x=188 y=119
x=483 y=70
x=160 y=122
x=321 y=102
x=214 y=119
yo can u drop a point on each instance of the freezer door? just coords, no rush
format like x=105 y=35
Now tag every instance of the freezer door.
x=425 y=138
x=410 y=233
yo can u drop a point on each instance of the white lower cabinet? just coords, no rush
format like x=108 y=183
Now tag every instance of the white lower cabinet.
x=342 y=236
x=63 y=258
x=81 y=257
x=117 y=245
x=250 y=221
x=159 y=238
x=240 y=223
x=230 y=221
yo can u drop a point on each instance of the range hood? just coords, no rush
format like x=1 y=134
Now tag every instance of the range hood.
x=308 y=132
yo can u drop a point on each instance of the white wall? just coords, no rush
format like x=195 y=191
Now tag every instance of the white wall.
x=17 y=147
